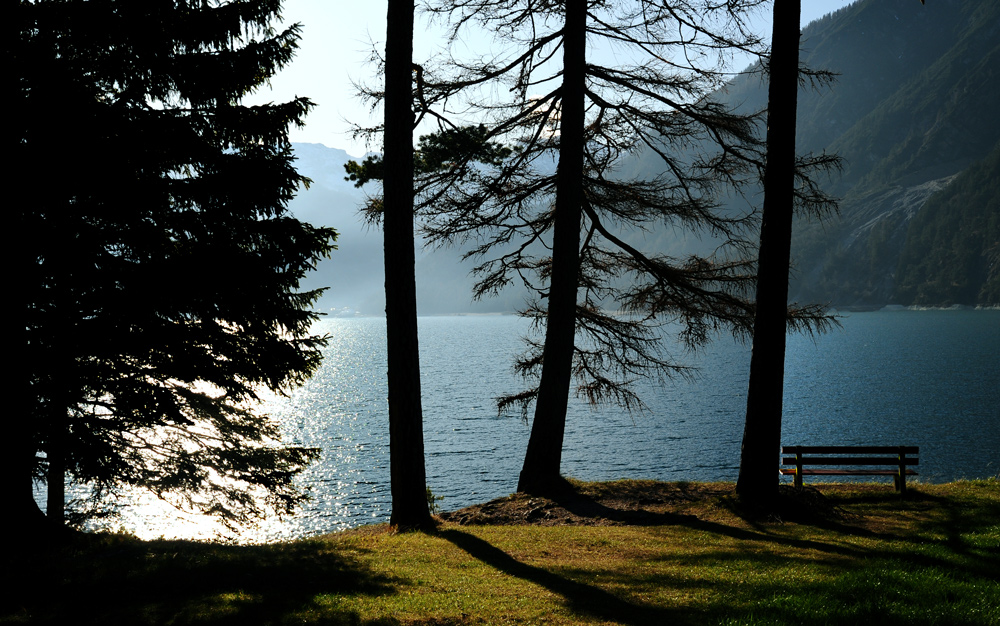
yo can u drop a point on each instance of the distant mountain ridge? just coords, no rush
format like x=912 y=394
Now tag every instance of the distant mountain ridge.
x=355 y=275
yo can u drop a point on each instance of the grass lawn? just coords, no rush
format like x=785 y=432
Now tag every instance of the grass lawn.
x=873 y=557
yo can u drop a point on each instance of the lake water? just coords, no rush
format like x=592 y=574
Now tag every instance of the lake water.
x=925 y=378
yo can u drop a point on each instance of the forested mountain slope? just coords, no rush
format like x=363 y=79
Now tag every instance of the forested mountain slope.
x=951 y=252
x=914 y=107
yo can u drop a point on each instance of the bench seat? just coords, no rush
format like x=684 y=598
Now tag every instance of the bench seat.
x=847 y=472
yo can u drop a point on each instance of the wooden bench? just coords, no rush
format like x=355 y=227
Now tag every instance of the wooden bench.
x=899 y=456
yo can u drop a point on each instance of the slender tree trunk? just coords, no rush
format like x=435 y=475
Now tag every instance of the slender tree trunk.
x=55 y=445
x=55 y=504
x=23 y=518
x=540 y=471
x=406 y=437
x=758 y=479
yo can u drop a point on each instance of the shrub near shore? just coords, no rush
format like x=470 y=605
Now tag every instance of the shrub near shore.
x=629 y=552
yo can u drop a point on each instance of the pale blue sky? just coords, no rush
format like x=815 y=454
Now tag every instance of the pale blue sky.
x=337 y=36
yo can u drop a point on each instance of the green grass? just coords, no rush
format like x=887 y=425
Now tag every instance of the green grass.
x=931 y=557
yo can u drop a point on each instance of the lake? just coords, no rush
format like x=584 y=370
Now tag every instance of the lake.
x=924 y=378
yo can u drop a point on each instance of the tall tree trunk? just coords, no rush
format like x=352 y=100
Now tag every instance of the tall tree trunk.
x=758 y=479
x=55 y=445
x=406 y=437
x=55 y=504
x=23 y=517
x=544 y=455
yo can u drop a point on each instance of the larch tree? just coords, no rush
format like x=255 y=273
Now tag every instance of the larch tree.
x=543 y=457
x=161 y=266
x=570 y=234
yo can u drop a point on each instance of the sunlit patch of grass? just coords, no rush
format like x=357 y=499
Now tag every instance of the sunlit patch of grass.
x=929 y=557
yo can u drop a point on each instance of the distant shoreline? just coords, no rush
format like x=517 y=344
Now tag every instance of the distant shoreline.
x=913 y=307
x=889 y=308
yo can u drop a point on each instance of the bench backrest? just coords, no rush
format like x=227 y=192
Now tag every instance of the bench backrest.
x=902 y=455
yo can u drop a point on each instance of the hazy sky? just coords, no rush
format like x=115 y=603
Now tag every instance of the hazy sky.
x=337 y=39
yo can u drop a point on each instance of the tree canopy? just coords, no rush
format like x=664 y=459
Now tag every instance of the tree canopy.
x=161 y=264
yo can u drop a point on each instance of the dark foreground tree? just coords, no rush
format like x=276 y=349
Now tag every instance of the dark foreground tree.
x=573 y=235
x=762 y=431
x=161 y=266
x=393 y=209
x=406 y=435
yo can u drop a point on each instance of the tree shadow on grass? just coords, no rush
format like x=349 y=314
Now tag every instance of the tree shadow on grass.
x=922 y=589
x=106 y=579
x=916 y=518
x=581 y=598
x=586 y=506
x=947 y=516
x=949 y=521
x=960 y=520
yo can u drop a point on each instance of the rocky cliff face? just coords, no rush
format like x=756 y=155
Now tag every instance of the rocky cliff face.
x=854 y=262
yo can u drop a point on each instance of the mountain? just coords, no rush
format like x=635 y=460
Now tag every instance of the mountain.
x=951 y=253
x=913 y=115
x=355 y=276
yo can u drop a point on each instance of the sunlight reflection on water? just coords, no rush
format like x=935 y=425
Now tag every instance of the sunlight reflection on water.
x=927 y=378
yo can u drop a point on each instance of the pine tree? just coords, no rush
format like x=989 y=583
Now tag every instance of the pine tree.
x=161 y=265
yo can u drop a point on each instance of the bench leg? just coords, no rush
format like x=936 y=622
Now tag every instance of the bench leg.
x=901 y=478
